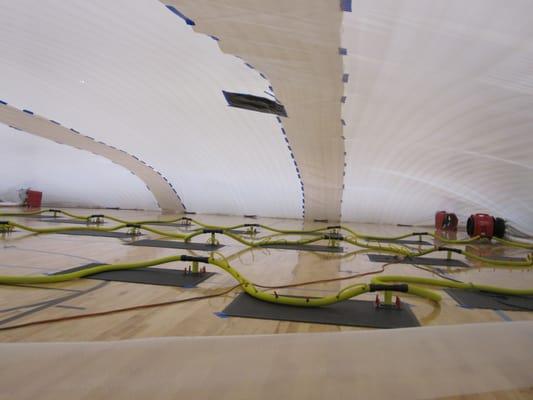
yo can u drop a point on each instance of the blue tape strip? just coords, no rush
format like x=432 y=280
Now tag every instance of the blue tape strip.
x=343 y=51
x=343 y=99
x=54 y=122
x=188 y=21
x=74 y=130
x=346 y=5
x=221 y=314
x=345 y=77
x=503 y=315
x=214 y=38
x=3 y=102
x=249 y=65
x=28 y=111
x=342 y=122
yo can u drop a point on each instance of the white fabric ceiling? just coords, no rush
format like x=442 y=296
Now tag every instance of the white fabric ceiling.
x=66 y=175
x=437 y=111
x=136 y=77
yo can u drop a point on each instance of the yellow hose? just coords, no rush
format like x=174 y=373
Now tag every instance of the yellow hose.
x=398 y=250
x=251 y=289
x=448 y=284
x=282 y=231
x=515 y=243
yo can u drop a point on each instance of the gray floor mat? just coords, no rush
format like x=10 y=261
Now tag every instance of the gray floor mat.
x=172 y=244
x=349 y=313
x=147 y=276
x=475 y=299
x=304 y=247
x=443 y=262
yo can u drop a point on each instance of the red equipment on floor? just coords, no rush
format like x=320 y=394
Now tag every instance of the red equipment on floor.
x=445 y=221
x=485 y=225
x=33 y=199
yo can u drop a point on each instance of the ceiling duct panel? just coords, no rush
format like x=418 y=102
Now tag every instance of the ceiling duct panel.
x=255 y=103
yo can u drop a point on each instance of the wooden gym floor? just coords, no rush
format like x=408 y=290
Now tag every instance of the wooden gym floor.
x=23 y=254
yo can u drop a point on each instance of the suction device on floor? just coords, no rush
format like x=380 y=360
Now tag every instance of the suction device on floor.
x=485 y=225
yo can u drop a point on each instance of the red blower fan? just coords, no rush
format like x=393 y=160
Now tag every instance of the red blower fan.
x=445 y=221
x=485 y=225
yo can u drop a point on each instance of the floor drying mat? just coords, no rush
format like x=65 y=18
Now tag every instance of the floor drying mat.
x=38 y=216
x=176 y=225
x=443 y=262
x=173 y=224
x=119 y=235
x=304 y=247
x=147 y=276
x=171 y=244
x=504 y=258
x=349 y=313
x=404 y=241
x=473 y=299
x=240 y=232
x=69 y=221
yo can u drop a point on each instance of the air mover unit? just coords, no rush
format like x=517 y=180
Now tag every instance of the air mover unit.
x=445 y=221
x=485 y=225
x=32 y=198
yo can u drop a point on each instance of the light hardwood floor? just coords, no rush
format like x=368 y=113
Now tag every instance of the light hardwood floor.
x=36 y=254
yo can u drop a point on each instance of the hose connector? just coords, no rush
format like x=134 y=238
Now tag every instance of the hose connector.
x=396 y=287
x=213 y=231
x=451 y=249
x=333 y=236
x=195 y=259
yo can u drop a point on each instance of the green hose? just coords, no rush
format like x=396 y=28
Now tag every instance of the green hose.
x=316 y=231
x=251 y=289
x=515 y=243
x=247 y=286
x=397 y=250
x=319 y=234
x=448 y=284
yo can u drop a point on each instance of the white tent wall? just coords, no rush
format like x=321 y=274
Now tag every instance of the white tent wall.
x=438 y=109
x=134 y=76
x=296 y=45
x=68 y=177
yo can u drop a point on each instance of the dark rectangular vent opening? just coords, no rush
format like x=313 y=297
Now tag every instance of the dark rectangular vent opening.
x=254 y=103
x=346 y=5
